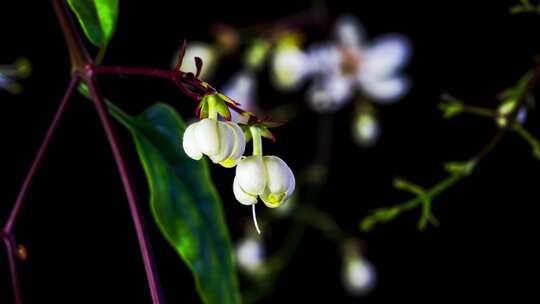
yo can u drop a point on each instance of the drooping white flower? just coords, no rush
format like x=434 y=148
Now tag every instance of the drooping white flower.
x=250 y=254
x=206 y=52
x=266 y=177
x=222 y=141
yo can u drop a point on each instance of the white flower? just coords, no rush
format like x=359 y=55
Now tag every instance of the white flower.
x=222 y=142
x=204 y=51
x=289 y=67
x=250 y=254
x=349 y=64
x=358 y=276
x=266 y=177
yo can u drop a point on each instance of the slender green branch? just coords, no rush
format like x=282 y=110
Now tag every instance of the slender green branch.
x=529 y=138
x=458 y=171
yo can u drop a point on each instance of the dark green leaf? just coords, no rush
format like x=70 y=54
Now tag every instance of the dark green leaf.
x=184 y=201
x=97 y=19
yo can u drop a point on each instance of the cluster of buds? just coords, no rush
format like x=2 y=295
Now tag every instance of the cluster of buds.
x=224 y=142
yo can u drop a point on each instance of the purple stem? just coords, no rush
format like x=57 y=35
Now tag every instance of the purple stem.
x=144 y=244
x=8 y=227
x=9 y=241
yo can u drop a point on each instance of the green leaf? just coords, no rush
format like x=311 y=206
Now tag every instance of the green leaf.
x=97 y=19
x=184 y=201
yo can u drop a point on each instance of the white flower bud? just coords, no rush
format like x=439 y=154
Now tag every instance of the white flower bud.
x=358 y=276
x=280 y=182
x=251 y=175
x=222 y=142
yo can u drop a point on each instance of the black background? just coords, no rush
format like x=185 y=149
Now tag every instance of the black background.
x=76 y=224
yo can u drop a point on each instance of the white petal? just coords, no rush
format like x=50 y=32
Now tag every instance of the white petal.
x=226 y=142
x=280 y=183
x=251 y=175
x=190 y=144
x=240 y=141
x=238 y=145
x=385 y=56
x=324 y=58
x=207 y=136
x=289 y=68
x=241 y=196
x=386 y=90
x=349 y=33
x=280 y=176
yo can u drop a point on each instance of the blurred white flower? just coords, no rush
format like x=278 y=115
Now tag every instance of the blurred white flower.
x=348 y=64
x=222 y=142
x=366 y=129
x=289 y=67
x=242 y=88
x=206 y=52
x=359 y=276
x=250 y=254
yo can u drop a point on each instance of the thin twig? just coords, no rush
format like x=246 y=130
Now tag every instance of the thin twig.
x=9 y=241
x=142 y=237
x=8 y=227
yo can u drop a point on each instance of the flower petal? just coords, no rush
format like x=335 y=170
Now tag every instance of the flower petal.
x=207 y=136
x=190 y=144
x=385 y=56
x=349 y=33
x=239 y=145
x=251 y=175
x=280 y=183
x=226 y=142
x=386 y=90
x=241 y=196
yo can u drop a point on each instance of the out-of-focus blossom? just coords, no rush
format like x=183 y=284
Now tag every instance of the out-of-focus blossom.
x=9 y=74
x=348 y=64
x=366 y=128
x=290 y=64
x=242 y=88
x=357 y=273
x=206 y=52
x=250 y=254
x=359 y=276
